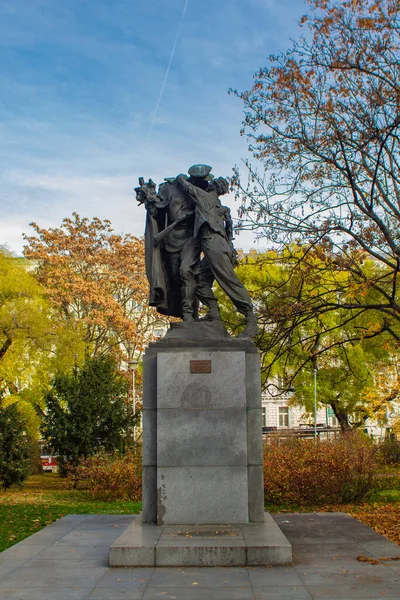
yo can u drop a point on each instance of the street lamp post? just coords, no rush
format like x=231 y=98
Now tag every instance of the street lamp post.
x=313 y=357
x=133 y=365
x=389 y=416
x=315 y=402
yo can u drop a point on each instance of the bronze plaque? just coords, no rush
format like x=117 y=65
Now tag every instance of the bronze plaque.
x=200 y=366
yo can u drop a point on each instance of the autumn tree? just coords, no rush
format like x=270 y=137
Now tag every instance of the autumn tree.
x=348 y=348
x=348 y=380
x=96 y=278
x=323 y=121
x=35 y=342
x=21 y=309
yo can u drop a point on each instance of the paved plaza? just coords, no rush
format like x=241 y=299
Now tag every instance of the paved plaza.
x=69 y=561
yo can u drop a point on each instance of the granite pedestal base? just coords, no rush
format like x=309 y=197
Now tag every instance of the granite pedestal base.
x=203 y=492
x=256 y=544
x=202 y=434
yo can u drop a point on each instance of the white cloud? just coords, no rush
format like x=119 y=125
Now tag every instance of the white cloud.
x=80 y=82
x=110 y=198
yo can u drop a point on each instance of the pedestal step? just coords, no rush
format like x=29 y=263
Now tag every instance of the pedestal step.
x=201 y=545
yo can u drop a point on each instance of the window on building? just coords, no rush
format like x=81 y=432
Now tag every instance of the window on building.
x=283 y=413
x=280 y=381
x=264 y=416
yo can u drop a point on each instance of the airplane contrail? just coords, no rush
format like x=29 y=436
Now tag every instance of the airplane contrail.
x=168 y=69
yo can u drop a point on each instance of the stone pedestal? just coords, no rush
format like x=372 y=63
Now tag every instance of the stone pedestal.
x=201 y=546
x=203 y=493
x=202 y=442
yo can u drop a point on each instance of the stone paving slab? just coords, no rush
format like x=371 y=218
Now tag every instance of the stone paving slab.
x=46 y=593
x=68 y=561
x=83 y=554
x=54 y=575
x=8 y=566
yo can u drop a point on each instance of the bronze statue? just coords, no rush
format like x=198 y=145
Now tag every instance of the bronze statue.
x=185 y=220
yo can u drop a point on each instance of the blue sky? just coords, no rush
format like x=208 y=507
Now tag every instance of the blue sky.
x=80 y=81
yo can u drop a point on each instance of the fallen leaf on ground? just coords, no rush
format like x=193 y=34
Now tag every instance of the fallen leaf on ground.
x=367 y=559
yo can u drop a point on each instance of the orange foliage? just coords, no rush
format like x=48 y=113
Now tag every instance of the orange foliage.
x=307 y=472
x=384 y=518
x=323 y=120
x=97 y=278
x=110 y=477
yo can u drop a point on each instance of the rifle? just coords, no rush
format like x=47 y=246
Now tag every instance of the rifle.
x=160 y=236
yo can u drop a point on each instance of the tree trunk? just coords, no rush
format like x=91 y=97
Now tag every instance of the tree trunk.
x=6 y=345
x=341 y=415
x=12 y=388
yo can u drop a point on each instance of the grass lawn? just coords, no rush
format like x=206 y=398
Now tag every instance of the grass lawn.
x=44 y=499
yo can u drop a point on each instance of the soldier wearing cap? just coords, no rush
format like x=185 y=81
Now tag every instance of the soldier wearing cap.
x=213 y=234
x=184 y=219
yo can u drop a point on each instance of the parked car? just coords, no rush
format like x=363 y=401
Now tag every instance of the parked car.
x=49 y=463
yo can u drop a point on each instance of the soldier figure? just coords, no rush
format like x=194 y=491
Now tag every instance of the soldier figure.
x=212 y=232
x=170 y=253
x=185 y=219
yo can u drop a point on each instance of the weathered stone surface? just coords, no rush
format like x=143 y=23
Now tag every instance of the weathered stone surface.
x=137 y=556
x=136 y=546
x=149 y=446
x=150 y=380
x=206 y=344
x=254 y=437
x=195 y=495
x=149 y=494
x=253 y=380
x=202 y=438
x=202 y=556
x=256 y=493
x=200 y=422
x=149 y=459
x=224 y=387
x=269 y=555
x=197 y=330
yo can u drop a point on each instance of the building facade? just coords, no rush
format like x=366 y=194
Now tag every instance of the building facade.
x=279 y=414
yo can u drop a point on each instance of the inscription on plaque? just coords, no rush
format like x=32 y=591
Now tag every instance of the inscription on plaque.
x=200 y=366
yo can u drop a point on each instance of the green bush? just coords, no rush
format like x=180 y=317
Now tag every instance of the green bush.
x=14 y=453
x=87 y=412
x=109 y=476
x=35 y=463
x=314 y=472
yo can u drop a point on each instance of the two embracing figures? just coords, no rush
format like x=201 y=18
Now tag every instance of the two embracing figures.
x=188 y=243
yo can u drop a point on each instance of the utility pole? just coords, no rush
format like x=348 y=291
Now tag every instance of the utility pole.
x=313 y=352
x=315 y=401
x=133 y=365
